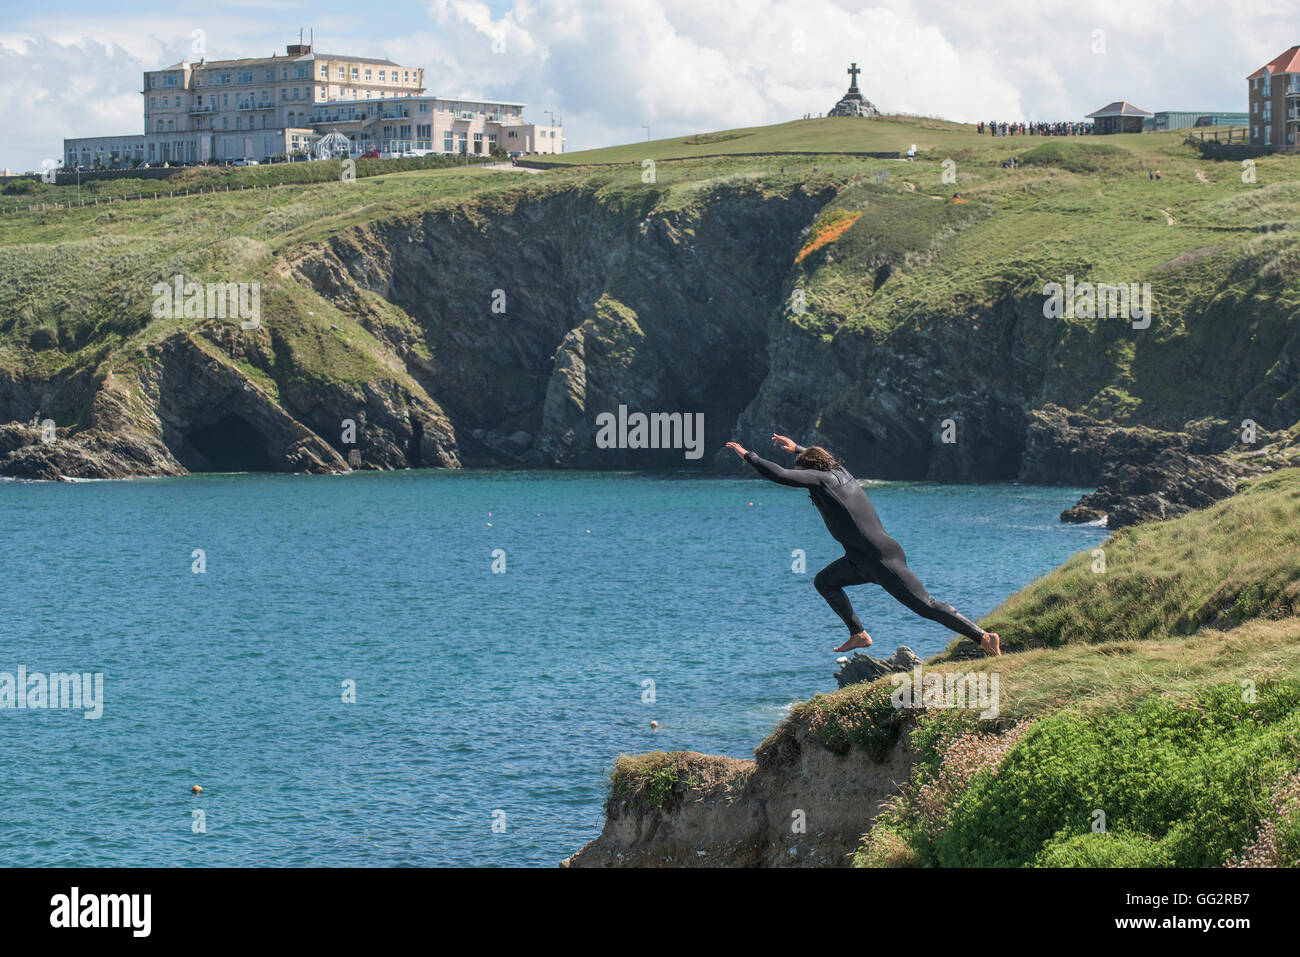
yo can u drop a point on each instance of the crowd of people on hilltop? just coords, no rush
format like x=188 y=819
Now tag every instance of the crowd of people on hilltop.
x=1035 y=129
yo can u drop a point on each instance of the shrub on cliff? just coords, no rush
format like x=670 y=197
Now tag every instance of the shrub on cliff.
x=1187 y=785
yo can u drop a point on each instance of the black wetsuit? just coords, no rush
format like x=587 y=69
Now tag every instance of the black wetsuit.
x=869 y=554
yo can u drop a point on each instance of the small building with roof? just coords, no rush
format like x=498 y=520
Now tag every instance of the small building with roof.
x=1118 y=117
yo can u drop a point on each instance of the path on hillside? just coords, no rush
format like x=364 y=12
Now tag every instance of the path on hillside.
x=511 y=167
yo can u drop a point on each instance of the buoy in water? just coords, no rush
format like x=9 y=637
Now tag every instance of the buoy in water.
x=654 y=724
x=196 y=789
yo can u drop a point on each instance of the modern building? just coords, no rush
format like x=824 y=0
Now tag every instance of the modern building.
x=110 y=152
x=279 y=106
x=1273 y=96
x=1188 y=119
x=432 y=124
x=1118 y=117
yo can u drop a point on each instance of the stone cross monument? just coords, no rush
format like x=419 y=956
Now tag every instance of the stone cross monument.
x=853 y=103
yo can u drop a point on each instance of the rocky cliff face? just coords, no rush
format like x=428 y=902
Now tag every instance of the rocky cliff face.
x=533 y=323
x=498 y=334
x=797 y=805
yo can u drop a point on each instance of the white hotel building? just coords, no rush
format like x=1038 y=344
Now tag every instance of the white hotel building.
x=281 y=105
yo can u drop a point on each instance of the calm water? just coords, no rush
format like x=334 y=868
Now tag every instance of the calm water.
x=476 y=692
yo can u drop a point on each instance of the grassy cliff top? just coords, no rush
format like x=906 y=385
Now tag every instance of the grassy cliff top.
x=1222 y=254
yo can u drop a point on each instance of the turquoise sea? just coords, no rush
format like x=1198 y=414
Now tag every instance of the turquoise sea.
x=482 y=697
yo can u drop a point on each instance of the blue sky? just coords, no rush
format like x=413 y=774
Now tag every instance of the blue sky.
x=609 y=68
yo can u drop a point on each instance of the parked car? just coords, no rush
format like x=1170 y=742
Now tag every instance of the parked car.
x=246 y=161
x=370 y=155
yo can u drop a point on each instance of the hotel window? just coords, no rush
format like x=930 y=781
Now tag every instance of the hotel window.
x=342 y=73
x=170 y=80
x=355 y=72
x=246 y=76
x=382 y=76
x=447 y=145
x=324 y=72
x=367 y=76
x=300 y=73
x=270 y=76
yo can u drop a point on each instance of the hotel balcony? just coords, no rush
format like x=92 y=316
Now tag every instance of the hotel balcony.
x=210 y=108
x=266 y=105
x=336 y=118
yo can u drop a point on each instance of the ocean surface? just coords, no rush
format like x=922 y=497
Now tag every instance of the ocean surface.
x=489 y=705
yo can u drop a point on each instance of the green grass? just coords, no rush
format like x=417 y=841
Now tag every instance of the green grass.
x=826 y=135
x=1237 y=560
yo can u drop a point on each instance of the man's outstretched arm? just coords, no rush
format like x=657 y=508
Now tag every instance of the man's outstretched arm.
x=798 y=478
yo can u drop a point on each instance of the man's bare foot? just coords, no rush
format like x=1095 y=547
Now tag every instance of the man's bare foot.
x=991 y=643
x=860 y=640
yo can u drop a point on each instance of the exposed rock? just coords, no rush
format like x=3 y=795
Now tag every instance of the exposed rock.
x=862 y=667
x=1142 y=474
x=727 y=812
x=1172 y=484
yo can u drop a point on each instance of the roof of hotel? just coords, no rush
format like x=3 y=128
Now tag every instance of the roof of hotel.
x=351 y=59
x=1120 y=108
x=1288 y=62
x=249 y=61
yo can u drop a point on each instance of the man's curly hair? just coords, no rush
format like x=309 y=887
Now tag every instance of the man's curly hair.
x=816 y=457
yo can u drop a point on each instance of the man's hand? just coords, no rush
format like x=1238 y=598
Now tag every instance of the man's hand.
x=784 y=442
x=738 y=449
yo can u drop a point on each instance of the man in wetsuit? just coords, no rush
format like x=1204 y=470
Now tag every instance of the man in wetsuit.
x=869 y=554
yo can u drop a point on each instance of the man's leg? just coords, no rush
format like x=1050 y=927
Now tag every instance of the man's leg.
x=830 y=584
x=901 y=583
